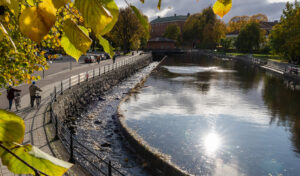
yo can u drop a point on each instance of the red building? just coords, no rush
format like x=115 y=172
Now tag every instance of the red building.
x=159 y=25
x=160 y=43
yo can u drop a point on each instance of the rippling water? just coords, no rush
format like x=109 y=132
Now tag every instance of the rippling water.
x=219 y=117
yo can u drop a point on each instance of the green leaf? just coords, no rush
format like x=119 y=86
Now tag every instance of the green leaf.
x=142 y=19
x=12 y=127
x=106 y=46
x=36 y=158
x=75 y=39
x=97 y=14
x=222 y=7
x=159 y=4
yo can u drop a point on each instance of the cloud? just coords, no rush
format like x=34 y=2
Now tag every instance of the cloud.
x=272 y=8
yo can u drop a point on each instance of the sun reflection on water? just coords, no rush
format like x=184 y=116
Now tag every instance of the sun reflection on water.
x=212 y=143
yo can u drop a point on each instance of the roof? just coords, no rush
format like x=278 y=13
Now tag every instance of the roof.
x=267 y=25
x=161 y=39
x=169 y=19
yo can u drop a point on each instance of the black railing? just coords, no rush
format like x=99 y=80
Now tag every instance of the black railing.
x=79 y=153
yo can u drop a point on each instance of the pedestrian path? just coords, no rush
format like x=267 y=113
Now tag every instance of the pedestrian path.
x=35 y=132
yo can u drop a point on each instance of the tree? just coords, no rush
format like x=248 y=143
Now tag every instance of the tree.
x=204 y=28
x=173 y=32
x=226 y=43
x=285 y=36
x=250 y=37
x=128 y=32
x=236 y=23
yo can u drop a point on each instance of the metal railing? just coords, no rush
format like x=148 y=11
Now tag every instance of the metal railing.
x=80 y=153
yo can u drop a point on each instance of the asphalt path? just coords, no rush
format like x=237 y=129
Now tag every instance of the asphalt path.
x=58 y=70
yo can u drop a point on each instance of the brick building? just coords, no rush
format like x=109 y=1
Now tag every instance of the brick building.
x=159 y=25
x=160 y=43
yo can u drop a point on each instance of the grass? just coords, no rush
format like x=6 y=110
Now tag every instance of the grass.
x=275 y=58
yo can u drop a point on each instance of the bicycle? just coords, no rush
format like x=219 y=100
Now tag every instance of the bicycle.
x=18 y=101
x=38 y=99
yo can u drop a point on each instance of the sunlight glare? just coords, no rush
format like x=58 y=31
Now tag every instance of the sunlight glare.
x=212 y=143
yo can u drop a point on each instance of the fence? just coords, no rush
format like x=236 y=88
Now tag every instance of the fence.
x=79 y=153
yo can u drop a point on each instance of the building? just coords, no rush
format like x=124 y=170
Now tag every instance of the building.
x=267 y=26
x=160 y=43
x=159 y=25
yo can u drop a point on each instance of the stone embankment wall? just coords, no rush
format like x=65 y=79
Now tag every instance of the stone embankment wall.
x=69 y=106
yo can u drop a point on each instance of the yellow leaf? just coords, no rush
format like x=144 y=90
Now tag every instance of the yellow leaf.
x=35 y=22
x=75 y=39
x=222 y=7
x=159 y=4
x=36 y=158
x=95 y=14
x=12 y=127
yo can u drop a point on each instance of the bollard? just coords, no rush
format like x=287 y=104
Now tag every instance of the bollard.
x=87 y=76
x=93 y=73
x=61 y=87
x=104 y=69
x=109 y=168
x=78 y=78
x=99 y=71
x=70 y=83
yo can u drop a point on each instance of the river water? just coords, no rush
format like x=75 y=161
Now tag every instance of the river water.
x=218 y=117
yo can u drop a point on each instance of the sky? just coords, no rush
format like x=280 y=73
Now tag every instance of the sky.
x=272 y=8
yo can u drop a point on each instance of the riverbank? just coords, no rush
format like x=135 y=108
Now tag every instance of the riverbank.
x=90 y=108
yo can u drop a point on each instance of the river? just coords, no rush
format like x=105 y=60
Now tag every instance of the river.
x=218 y=117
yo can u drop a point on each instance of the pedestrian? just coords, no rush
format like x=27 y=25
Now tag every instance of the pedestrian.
x=98 y=59
x=32 y=91
x=11 y=95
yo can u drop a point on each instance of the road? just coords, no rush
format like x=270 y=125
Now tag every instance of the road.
x=58 y=70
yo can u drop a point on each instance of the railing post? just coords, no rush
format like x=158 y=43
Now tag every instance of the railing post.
x=71 y=160
x=78 y=78
x=56 y=128
x=51 y=111
x=61 y=87
x=93 y=72
x=87 y=76
x=55 y=93
x=99 y=71
x=70 y=83
x=109 y=168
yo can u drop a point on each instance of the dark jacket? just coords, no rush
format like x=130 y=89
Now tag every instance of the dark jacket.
x=32 y=89
x=11 y=93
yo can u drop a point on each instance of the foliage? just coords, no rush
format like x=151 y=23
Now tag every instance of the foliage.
x=236 y=23
x=204 y=29
x=128 y=32
x=173 y=32
x=12 y=130
x=226 y=43
x=285 y=36
x=250 y=37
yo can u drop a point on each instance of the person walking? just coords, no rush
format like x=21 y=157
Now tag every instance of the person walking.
x=32 y=91
x=11 y=95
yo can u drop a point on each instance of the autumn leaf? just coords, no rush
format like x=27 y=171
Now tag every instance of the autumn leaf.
x=96 y=16
x=222 y=7
x=106 y=46
x=34 y=157
x=12 y=127
x=159 y=4
x=75 y=39
x=141 y=18
x=36 y=22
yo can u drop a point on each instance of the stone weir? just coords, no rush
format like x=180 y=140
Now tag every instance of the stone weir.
x=160 y=164
x=71 y=109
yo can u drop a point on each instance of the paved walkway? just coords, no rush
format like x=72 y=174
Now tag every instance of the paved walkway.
x=35 y=133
